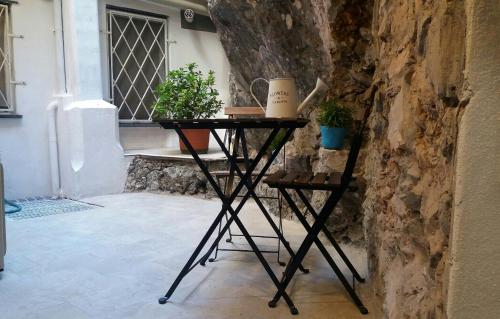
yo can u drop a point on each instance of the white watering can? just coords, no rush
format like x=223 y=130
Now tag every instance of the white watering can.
x=282 y=97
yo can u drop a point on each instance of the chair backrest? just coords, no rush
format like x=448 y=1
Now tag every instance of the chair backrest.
x=356 y=143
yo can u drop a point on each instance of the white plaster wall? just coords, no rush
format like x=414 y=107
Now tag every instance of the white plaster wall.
x=474 y=279
x=204 y=48
x=24 y=142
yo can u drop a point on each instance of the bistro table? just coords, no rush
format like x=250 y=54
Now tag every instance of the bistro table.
x=275 y=125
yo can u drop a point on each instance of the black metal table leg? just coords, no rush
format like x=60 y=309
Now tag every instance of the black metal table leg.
x=323 y=251
x=227 y=207
x=255 y=182
x=228 y=184
x=280 y=228
x=258 y=202
x=188 y=266
x=330 y=237
x=241 y=183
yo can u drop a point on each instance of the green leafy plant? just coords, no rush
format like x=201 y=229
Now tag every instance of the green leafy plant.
x=187 y=94
x=334 y=114
x=281 y=134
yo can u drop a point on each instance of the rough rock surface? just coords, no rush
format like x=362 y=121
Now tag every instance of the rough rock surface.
x=409 y=57
x=304 y=40
x=174 y=176
x=419 y=49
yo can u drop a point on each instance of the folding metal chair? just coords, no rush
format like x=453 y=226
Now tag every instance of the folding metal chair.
x=335 y=183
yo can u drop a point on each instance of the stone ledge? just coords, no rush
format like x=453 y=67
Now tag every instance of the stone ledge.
x=176 y=155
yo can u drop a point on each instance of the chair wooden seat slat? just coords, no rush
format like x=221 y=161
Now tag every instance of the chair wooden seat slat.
x=289 y=178
x=304 y=180
x=275 y=177
x=225 y=173
x=319 y=179
x=335 y=178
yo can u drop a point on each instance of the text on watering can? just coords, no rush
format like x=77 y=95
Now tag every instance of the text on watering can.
x=279 y=97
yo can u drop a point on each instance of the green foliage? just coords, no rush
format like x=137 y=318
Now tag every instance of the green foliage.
x=187 y=94
x=277 y=139
x=334 y=114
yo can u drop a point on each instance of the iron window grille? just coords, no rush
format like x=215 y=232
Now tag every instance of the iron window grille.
x=6 y=92
x=138 y=61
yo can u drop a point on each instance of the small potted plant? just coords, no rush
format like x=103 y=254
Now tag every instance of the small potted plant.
x=334 y=119
x=188 y=94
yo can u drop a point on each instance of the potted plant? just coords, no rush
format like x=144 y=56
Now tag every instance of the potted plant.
x=334 y=119
x=188 y=94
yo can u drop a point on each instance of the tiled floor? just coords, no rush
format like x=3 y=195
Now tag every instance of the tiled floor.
x=114 y=262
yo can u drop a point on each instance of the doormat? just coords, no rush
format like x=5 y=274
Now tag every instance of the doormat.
x=34 y=208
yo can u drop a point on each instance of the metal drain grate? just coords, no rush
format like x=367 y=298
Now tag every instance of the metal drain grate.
x=34 y=208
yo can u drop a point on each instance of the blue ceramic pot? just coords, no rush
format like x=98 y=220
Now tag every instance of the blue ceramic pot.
x=332 y=137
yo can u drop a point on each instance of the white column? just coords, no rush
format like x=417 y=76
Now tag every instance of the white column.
x=474 y=275
x=91 y=157
x=83 y=61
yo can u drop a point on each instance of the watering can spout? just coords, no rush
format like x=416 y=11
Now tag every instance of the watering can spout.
x=320 y=87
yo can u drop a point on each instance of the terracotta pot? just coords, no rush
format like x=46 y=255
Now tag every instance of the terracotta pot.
x=197 y=138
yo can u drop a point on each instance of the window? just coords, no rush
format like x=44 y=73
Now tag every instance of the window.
x=137 y=61
x=6 y=104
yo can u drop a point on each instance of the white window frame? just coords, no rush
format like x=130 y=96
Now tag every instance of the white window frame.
x=6 y=61
x=163 y=42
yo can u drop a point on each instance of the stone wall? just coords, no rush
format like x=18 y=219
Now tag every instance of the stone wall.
x=420 y=54
x=409 y=57
x=169 y=175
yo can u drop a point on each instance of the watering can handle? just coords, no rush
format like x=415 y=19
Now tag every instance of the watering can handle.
x=253 y=95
